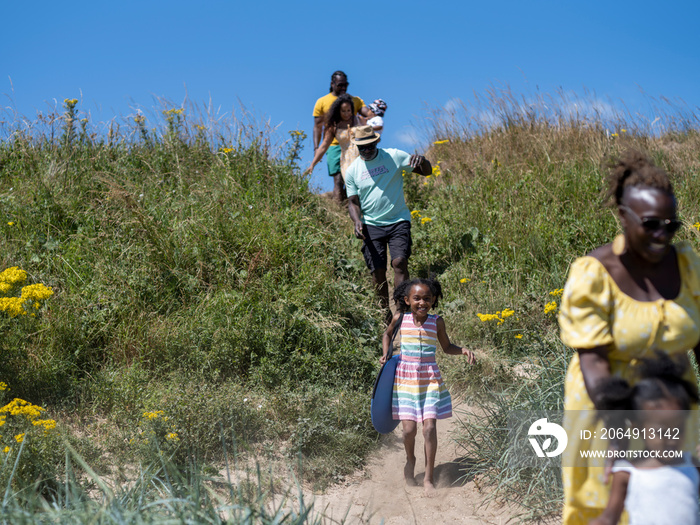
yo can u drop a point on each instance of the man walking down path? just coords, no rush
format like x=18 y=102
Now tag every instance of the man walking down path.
x=378 y=208
x=339 y=86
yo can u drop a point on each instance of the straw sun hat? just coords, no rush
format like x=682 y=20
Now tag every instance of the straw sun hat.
x=365 y=135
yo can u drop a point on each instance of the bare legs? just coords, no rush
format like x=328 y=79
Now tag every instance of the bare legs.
x=410 y=429
x=400 y=266
x=339 y=188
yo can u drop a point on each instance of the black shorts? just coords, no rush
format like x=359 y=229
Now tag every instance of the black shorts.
x=397 y=236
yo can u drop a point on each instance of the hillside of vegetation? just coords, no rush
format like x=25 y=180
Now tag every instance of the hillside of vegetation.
x=206 y=303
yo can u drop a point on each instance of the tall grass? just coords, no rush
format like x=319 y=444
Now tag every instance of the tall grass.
x=194 y=273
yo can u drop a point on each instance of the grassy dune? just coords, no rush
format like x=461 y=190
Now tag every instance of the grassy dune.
x=206 y=302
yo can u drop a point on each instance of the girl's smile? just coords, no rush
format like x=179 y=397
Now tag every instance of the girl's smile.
x=420 y=300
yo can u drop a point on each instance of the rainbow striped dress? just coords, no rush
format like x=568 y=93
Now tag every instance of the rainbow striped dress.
x=419 y=392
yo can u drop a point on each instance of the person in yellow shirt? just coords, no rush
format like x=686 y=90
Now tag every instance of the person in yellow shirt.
x=339 y=86
x=621 y=303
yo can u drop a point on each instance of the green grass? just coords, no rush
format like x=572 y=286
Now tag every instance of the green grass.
x=195 y=273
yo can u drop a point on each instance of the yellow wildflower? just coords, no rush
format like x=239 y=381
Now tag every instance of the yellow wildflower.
x=488 y=317
x=3 y=386
x=550 y=307
x=226 y=150
x=436 y=170
x=697 y=226
x=414 y=214
x=518 y=336
x=464 y=280
x=623 y=130
x=153 y=415
x=11 y=223
x=12 y=306
x=426 y=219
x=438 y=142
x=36 y=292
x=557 y=292
x=19 y=437
x=507 y=312
x=6 y=450
x=13 y=275
x=614 y=135
x=172 y=436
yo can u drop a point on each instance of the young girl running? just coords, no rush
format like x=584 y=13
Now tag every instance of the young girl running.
x=419 y=393
x=661 y=486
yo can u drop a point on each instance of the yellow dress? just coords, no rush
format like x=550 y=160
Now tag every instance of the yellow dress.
x=595 y=312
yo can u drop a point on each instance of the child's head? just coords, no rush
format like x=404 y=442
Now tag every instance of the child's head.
x=659 y=401
x=378 y=107
x=408 y=294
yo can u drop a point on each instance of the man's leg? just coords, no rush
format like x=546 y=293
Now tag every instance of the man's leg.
x=399 y=241
x=400 y=266
x=374 y=251
x=382 y=286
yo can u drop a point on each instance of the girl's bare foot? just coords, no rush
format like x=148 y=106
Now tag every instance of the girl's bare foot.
x=408 y=473
x=429 y=488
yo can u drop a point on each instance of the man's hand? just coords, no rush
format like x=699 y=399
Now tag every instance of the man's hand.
x=420 y=165
x=358 y=230
x=416 y=160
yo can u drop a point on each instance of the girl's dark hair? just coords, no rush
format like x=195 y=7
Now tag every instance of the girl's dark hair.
x=634 y=169
x=336 y=74
x=661 y=378
x=334 y=112
x=404 y=289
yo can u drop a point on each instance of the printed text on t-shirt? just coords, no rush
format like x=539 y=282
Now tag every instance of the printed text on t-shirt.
x=379 y=170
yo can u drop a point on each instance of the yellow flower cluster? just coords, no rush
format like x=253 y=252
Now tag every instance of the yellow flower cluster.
x=425 y=219
x=11 y=223
x=557 y=292
x=498 y=316
x=30 y=296
x=139 y=119
x=697 y=226
x=438 y=142
x=11 y=277
x=3 y=386
x=437 y=171
x=173 y=111
x=550 y=307
x=70 y=101
x=19 y=437
x=414 y=214
x=172 y=436
x=296 y=133
x=226 y=150
x=20 y=407
x=154 y=415
x=200 y=127
x=518 y=336
x=464 y=280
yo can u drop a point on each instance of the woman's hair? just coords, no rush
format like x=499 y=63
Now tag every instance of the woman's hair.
x=661 y=378
x=404 y=289
x=336 y=74
x=634 y=169
x=334 y=113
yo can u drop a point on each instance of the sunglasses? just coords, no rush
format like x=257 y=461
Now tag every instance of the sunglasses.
x=367 y=147
x=342 y=84
x=652 y=224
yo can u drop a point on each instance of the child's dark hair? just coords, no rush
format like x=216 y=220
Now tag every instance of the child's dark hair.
x=661 y=378
x=404 y=289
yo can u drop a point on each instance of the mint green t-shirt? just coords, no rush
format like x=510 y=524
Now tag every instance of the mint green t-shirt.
x=379 y=185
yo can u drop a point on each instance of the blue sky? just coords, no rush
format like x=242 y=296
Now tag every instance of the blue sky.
x=276 y=58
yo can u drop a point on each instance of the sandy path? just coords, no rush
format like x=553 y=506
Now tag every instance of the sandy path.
x=379 y=493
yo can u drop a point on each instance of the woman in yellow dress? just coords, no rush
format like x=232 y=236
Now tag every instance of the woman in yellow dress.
x=621 y=302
